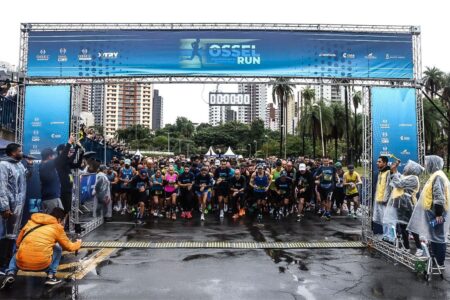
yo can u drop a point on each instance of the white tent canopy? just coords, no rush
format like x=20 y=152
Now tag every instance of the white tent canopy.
x=138 y=153
x=229 y=153
x=211 y=152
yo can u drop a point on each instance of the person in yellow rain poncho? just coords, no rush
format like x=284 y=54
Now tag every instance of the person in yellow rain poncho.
x=383 y=191
x=430 y=216
x=402 y=201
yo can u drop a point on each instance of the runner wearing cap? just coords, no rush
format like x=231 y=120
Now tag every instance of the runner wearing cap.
x=157 y=192
x=304 y=188
x=125 y=175
x=351 y=181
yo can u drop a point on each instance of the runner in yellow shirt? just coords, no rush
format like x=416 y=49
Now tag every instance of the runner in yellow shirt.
x=351 y=182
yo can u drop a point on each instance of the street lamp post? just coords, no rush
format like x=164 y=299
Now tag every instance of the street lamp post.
x=321 y=128
x=267 y=145
x=168 y=142
x=250 y=151
x=256 y=146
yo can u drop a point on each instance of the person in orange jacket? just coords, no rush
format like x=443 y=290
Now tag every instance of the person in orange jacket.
x=39 y=247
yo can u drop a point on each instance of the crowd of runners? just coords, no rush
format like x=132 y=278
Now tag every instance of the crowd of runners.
x=186 y=188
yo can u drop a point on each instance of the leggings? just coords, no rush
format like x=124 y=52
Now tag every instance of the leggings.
x=405 y=237
x=438 y=251
x=239 y=198
x=186 y=200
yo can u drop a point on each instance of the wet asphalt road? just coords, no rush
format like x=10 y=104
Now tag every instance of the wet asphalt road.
x=238 y=273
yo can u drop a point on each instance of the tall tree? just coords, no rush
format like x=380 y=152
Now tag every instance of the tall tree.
x=308 y=96
x=433 y=80
x=337 y=120
x=356 y=99
x=281 y=91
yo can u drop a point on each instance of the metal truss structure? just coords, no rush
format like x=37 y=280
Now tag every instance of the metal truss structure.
x=75 y=127
x=365 y=83
x=366 y=199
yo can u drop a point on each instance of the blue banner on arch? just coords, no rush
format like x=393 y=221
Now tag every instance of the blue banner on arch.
x=394 y=124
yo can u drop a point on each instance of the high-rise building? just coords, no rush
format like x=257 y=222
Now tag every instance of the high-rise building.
x=272 y=117
x=258 y=102
x=218 y=114
x=157 y=114
x=97 y=103
x=127 y=105
x=291 y=115
x=86 y=96
x=328 y=92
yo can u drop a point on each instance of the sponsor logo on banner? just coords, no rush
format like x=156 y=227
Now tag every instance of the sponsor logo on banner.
x=405 y=138
x=197 y=53
x=370 y=56
x=62 y=57
x=57 y=123
x=405 y=152
x=84 y=55
x=327 y=54
x=42 y=56
x=108 y=55
x=36 y=123
x=348 y=55
x=55 y=136
x=390 y=56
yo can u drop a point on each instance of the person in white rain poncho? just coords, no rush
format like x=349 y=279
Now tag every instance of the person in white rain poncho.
x=430 y=216
x=13 y=183
x=103 y=202
x=402 y=201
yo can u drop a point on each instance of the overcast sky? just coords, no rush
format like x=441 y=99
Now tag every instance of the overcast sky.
x=189 y=100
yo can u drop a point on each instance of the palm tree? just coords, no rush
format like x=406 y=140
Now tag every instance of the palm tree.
x=356 y=99
x=337 y=119
x=433 y=80
x=308 y=95
x=281 y=92
x=446 y=104
x=432 y=125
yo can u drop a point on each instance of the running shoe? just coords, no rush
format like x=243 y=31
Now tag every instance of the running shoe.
x=241 y=212
x=123 y=212
x=155 y=213
x=189 y=215
x=52 y=280
x=225 y=207
x=221 y=214
x=140 y=222
x=167 y=215
x=260 y=217
x=299 y=217
x=235 y=216
x=419 y=253
x=7 y=282
x=206 y=211
x=326 y=216
x=183 y=215
x=338 y=211
x=174 y=216
x=202 y=217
